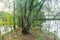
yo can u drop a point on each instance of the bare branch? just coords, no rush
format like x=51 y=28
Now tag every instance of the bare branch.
x=56 y=15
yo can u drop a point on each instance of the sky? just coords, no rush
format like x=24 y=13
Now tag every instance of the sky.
x=3 y=5
x=3 y=8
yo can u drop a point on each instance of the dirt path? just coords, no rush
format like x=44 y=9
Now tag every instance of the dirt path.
x=16 y=35
x=46 y=36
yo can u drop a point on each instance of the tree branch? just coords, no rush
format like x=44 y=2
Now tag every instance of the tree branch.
x=25 y=9
x=38 y=10
x=30 y=8
x=36 y=4
x=56 y=15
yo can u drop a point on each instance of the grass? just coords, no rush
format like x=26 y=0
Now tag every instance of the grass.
x=51 y=34
x=1 y=37
x=38 y=35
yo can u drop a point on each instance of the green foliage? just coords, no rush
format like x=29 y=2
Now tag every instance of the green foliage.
x=6 y=18
x=1 y=0
x=24 y=10
x=39 y=16
x=1 y=22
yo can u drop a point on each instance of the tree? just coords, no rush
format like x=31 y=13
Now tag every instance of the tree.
x=27 y=10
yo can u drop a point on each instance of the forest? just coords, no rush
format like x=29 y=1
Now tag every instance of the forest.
x=29 y=19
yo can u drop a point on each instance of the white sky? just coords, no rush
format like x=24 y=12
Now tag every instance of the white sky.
x=3 y=5
x=3 y=8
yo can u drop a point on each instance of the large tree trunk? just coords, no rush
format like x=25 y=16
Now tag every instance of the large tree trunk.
x=25 y=27
x=25 y=30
